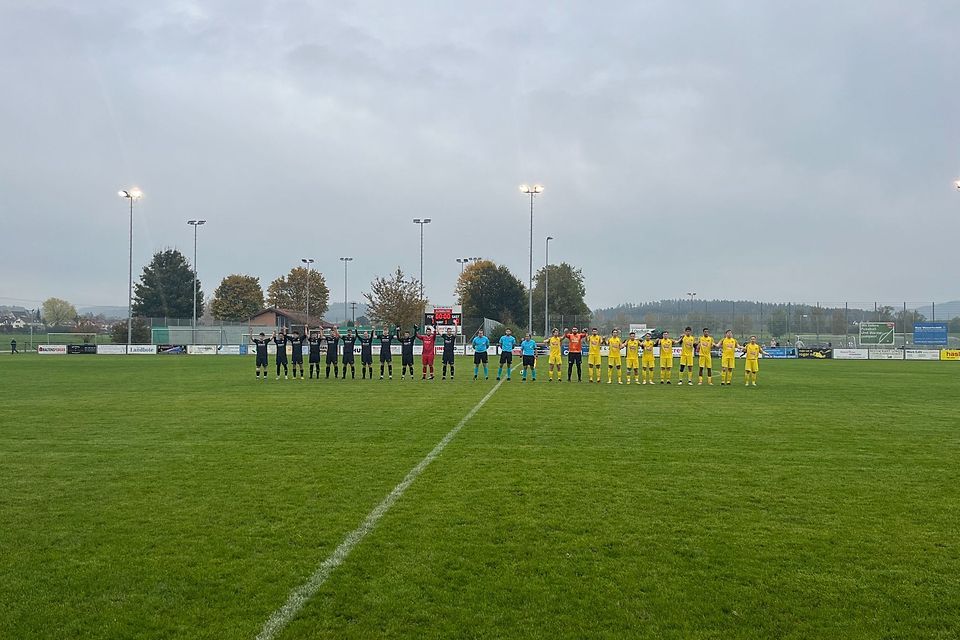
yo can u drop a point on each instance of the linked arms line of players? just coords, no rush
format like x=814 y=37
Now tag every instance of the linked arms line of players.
x=345 y=354
x=640 y=356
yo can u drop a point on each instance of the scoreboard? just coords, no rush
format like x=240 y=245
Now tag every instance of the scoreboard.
x=444 y=317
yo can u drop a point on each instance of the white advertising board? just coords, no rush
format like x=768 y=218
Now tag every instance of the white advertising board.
x=202 y=349
x=52 y=349
x=922 y=354
x=850 y=354
x=111 y=349
x=230 y=350
x=886 y=354
x=142 y=350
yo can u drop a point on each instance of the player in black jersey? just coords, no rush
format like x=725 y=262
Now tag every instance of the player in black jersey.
x=315 y=339
x=449 y=343
x=406 y=352
x=332 y=339
x=386 y=356
x=297 y=355
x=366 y=354
x=261 y=345
x=349 y=342
x=281 y=342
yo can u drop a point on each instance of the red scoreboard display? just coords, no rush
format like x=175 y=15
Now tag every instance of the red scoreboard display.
x=444 y=317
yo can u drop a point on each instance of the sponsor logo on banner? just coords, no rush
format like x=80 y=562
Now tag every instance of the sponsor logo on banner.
x=171 y=349
x=639 y=329
x=950 y=354
x=202 y=349
x=807 y=353
x=231 y=349
x=111 y=349
x=922 y=354
x=886 y=354
x=142 y=350
x=932 y=333
x=850 y=354
x=52 y=349
x=82 y=348
x=779 y=353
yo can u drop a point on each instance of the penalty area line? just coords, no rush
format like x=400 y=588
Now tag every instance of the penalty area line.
x=305 y=592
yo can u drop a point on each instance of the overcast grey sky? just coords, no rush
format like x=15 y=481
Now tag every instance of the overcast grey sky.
x=754 y=150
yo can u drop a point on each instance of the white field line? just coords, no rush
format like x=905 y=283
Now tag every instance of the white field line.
x=302 y=594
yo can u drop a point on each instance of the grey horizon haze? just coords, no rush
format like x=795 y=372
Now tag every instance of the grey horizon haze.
x=744 y=150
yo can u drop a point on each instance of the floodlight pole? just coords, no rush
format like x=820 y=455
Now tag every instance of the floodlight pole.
x=532 y=191
x=131 y=195
x=345 y=260
x=546 y=288
x=308 y=262
x=421 y=222
x=195 y=224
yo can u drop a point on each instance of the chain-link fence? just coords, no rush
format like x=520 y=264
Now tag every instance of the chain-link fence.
x=811 y=324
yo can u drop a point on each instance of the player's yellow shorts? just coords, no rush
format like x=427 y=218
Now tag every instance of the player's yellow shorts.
x=614 y=360
x=666 y=363
x=555 y=358
x=728 y=362
x=648 y=362
x=594 y=359
x=706 y=361
x=752 y=366
x=633 y=362
x=686 y=359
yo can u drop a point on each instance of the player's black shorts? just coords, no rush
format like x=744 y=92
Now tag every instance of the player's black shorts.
x=575 y=357
x=331 y=357
x=348 y=358
x=480 y=356
x=386 y=357
x=506 y=357
x=448 y=357
x=529 y=361
x=297 y=356
x=261 y=360
x=314 y=358
x=366 y=358
x=406 y=359
x=281 y=358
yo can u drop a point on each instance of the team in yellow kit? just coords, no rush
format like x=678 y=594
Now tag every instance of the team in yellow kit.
x=615 y=343
x=666 y=357
x=555 y=356
x=752 y=350
x=594 y=360
x=728 y=357
x=641 y=357
x=687 y=343
x=704 y=357
x=633 y=357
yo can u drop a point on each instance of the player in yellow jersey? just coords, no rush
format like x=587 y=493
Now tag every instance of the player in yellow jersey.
x=687 y=342
x=594 y=361
x=614 y=344
x=753 y=351
x=555 y=358
x=728 y=357
x=666 y=357
x=647 y=361
x=704 y=344
x=633 y=357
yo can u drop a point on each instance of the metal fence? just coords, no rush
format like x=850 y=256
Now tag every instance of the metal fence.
x=813 y=324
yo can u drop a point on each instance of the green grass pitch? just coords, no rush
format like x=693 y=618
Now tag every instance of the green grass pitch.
x=178 y=497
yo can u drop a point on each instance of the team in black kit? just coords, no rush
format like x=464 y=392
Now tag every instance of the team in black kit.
x=340 y=350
